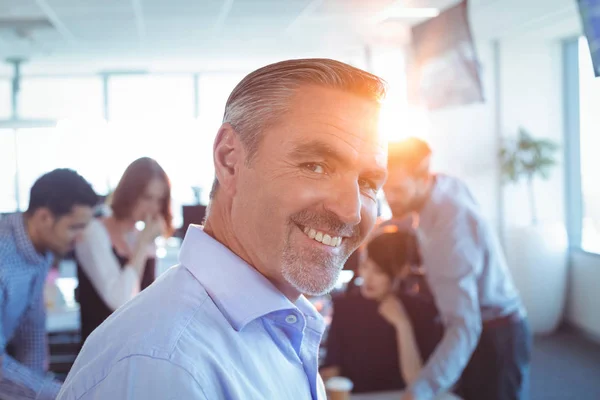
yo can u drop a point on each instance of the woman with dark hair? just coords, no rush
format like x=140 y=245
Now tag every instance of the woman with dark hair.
x=380 y=336
x=115 y=260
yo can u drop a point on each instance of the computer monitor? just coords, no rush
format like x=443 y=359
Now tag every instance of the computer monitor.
x=192 y=215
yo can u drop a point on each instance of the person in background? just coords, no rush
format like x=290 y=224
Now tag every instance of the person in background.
x=379 y=336
x=487 y=341
x=115 y=260
x=299 y=162
x=60 y=207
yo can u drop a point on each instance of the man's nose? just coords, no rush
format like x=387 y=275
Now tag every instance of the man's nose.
x=345 y=201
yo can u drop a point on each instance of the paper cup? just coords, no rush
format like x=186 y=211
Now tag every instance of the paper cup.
x=339 y=388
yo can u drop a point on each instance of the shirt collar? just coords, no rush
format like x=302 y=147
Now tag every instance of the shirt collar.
x=240 y=292
x=23 y=241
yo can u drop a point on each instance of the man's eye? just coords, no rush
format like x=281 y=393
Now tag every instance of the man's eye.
x=315 y=167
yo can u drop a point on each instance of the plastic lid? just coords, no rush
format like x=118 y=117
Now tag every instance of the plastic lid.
x=339 y=384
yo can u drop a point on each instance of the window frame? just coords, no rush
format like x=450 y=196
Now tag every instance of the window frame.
x=572 y=145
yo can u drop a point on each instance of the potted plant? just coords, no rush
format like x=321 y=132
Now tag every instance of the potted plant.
x=528 y=158
x=537 y=251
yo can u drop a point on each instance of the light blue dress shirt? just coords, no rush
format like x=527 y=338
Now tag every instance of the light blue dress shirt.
x=210 y=328
x=467 y=272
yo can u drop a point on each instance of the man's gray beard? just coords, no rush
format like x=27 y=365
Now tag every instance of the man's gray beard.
x=313 y=274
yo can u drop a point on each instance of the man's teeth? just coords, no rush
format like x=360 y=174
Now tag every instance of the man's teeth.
x=323 y=237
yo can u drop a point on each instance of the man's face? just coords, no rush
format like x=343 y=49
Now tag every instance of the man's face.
x=403 y=191
x=60 y=234
x=308 y=198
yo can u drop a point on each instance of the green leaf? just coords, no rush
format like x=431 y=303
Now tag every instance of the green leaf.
x=527 y=157
x=546 y=162
x=547 y=144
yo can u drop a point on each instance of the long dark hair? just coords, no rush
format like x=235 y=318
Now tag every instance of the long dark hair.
x=132 y=185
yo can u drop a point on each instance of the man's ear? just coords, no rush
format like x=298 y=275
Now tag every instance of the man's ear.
x=43 y=217
x=228 y=154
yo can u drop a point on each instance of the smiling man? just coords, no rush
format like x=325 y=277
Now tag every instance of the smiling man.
x=298 y=164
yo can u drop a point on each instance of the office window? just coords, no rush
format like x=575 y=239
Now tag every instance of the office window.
x=589 y=99
x=153 y=116
x=142 y=97
x=5 y=99
x=76 y=104
x=61 y=98
x=173 y=144
x=8 y=169
x=40 y=150
x=149 y=115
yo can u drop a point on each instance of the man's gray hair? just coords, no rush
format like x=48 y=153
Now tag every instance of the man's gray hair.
x=263 y=96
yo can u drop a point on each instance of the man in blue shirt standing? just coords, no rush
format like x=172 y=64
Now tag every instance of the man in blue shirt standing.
x=298 y=164
x=60 y=206
x=487 y=342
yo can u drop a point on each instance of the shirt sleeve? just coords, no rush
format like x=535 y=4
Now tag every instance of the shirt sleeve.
x=30 y=341
x=453 y=256
x=25 y=379
x=140 y=378
x=115 y=285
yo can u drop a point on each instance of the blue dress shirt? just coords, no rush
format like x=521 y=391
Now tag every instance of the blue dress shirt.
x=467 y=273
x=23 y=273
x=210 y=328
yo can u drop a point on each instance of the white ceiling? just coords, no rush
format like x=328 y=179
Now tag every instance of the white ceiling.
x=214 y=33
x=92 y=35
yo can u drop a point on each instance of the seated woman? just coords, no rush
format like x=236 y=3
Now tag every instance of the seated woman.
x=380 y=336
x=115 y=260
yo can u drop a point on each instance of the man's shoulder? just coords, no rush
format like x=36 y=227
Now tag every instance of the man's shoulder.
x=152 y=324
x=7 y=237
x=9 y=255
x=158 y=313
x=174 y=322
x=453 y=199
x=135 y=377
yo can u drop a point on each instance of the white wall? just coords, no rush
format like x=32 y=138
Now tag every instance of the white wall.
x=464 y=140
x=531 y=92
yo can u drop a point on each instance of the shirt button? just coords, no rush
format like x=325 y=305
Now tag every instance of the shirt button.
x=291 y=319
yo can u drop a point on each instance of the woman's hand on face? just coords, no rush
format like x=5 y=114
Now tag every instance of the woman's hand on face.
x=153 y=227
x=392 y=310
